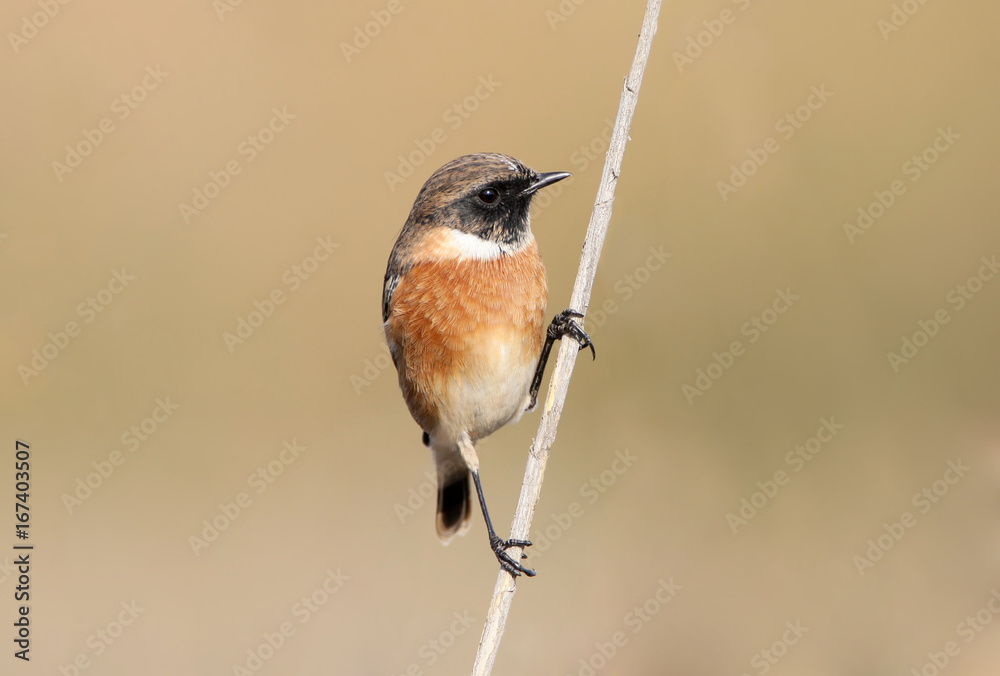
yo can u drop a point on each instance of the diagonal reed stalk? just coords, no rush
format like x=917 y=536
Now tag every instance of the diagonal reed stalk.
x=503 y=593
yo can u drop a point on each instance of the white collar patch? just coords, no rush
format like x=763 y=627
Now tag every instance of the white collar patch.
x=477 y=248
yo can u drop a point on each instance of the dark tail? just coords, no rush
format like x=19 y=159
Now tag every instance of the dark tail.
x=454 y=509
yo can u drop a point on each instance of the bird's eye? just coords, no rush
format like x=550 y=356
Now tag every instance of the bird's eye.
x=488 y=195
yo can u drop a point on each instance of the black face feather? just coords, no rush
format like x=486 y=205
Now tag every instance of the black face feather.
x=496 y=210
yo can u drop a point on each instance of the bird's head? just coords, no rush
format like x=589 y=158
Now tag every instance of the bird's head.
x=486 y=195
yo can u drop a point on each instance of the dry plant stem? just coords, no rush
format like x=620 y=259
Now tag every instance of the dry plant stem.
x=503 y=593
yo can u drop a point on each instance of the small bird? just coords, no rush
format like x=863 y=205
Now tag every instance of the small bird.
x=463 y=305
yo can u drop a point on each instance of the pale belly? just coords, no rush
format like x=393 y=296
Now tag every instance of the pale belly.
x=492 y=390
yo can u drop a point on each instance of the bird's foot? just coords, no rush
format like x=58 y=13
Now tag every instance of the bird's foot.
x=565 y=324
x=513 y=567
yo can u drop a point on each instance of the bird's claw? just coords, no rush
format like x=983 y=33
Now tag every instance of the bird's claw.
x=565 y=324
x=513 y=567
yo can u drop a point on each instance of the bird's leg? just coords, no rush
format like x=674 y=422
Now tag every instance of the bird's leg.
x=468 y=450
x=563 y=324
x=499 y=546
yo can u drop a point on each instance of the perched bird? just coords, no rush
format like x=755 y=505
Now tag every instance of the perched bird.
x=463 y=307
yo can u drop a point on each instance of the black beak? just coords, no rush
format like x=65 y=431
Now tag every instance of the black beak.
x=544 y=180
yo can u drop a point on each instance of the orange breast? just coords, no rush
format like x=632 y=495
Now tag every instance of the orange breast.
x=469 y=333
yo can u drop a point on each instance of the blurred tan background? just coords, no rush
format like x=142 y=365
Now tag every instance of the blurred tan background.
x=286 y=118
